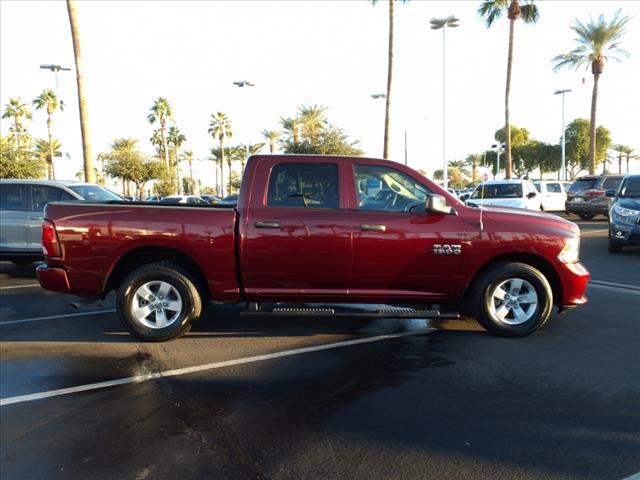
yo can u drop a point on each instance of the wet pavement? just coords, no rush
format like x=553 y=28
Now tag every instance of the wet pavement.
x=445 y=402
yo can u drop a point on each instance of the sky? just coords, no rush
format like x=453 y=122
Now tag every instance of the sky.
x=330 y=53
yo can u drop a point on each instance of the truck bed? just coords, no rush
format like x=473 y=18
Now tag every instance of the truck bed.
x=95 y=238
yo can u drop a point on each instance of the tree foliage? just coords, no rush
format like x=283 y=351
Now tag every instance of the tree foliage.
x=19 y=162
x=126 y=162
x=310 y=132
x=577 y=145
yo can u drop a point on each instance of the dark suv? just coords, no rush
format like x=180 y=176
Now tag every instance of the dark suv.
x=586 y=196
x=624 y=216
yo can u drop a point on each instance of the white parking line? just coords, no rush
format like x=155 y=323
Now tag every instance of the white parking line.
x=611 y=288
x=53 y=317
x=200 y=368
x=29 y=285
x=588 y=232
x=614 y=284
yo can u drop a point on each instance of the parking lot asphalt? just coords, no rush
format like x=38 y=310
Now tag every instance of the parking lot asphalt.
x=243 y=397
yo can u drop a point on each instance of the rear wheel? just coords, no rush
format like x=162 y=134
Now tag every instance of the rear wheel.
x=158 y=302
x=512 y=299
x=585 y=216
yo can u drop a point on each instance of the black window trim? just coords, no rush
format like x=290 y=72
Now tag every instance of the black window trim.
x=322 y=209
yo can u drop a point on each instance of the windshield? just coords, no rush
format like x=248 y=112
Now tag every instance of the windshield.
x=630 y=188
x=94 y=193
x=582 y=184
x=499 y=190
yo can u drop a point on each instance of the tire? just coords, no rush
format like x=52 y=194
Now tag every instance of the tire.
x=170 y=290
x=614 y=247
x=586 y=216
x=489 y=311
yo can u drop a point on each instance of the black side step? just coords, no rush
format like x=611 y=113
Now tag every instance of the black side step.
x=332 y=312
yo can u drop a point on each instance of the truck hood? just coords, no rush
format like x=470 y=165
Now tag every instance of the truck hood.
x=531 y=216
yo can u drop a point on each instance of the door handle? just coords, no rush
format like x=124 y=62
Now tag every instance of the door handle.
x=373 y=228
x=267 y=224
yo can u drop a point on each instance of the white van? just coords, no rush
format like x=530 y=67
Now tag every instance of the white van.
x=553 y=195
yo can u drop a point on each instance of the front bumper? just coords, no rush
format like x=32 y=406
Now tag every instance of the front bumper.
x=54 y=279
x=624 y=230
x=574 y=278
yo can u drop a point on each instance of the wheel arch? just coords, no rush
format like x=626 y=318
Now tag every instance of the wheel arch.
x=537 y=261
x=140 y=256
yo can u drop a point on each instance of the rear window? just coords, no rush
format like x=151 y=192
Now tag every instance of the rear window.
x=554 y=188
x=304 y=185
x=500 y=190
x=611 y=183
x=43 y=194
x=582 y=184
x=94 y=193
x=13 y=197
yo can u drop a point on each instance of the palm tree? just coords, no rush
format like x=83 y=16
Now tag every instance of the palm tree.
x=177 y=139
x=628 y=151
x=49 y=101
x=620 y=150
x=220 y=128
x=491 y=10
x=291 y=126
x=45 y=151
x=272 y=137
x=187 y=156
x=156 y=141
x=17 y=110
x=160 y=112
x=387 y=110
x=598 y=42
x=89 y=170
x=241 y=151
x=218 y=156
x=473 y=160
x=312 y=120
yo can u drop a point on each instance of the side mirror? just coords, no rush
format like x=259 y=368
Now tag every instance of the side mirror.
x=532 y=195
x=437 y=204
x=610 y=193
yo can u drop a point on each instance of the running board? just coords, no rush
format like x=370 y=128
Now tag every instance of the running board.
x=332 y=312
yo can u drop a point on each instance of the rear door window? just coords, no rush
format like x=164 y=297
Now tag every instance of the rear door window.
x=13 y=197
x=307 y=185
x=43 y=194
x=582 y=184
x=611 y=183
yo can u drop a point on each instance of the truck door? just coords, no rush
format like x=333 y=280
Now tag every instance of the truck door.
x=399 y=250
x=296 y=235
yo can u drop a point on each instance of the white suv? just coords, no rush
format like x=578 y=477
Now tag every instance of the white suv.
x=506 y=193
x=553 y=195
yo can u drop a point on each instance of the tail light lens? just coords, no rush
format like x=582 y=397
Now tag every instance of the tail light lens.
x=594 y=193
x=50 y=244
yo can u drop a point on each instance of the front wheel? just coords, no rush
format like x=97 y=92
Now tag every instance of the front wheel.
x=157 y=302
x=512 y=299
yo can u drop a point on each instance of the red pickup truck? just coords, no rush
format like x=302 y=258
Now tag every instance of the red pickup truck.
x=316 y=229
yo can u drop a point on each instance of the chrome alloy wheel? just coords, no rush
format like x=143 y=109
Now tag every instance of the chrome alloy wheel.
x=156 y=304
x=514 y=301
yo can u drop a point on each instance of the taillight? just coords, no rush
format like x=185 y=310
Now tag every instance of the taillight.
x=594 y=193
x=50 y=245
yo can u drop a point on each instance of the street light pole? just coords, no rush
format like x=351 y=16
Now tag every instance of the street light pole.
x=437 y=24
x=242 y=84
x=563 y=168
x=55 y=69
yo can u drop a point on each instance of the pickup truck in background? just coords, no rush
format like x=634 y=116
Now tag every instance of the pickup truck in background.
x=322 y=230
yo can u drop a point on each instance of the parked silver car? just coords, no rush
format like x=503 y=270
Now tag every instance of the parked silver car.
x=21 y=208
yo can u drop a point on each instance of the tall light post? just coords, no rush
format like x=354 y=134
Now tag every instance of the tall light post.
x=242 y=84
x=55 y=69
x=377 y=96
x=442 y=24
x=498 y=147
x=563 y=168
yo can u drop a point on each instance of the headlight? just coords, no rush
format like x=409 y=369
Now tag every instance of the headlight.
x=625 y=212
x=571 y=251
